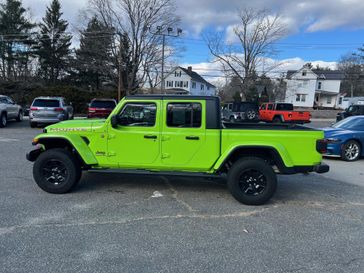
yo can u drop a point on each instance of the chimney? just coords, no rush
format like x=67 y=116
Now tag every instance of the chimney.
x=189 y=69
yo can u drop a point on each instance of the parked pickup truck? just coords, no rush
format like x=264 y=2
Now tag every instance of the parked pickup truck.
x=177 y=135
x=282 y=113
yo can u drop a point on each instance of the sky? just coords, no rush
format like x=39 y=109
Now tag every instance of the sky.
x=319 y=31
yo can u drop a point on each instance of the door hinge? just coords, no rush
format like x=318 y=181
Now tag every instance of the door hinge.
x=111 y=154
x=165 y=138
x=110 y=136
x=166 y=156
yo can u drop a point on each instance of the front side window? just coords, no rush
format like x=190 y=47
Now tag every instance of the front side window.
x=185 y=115
x=270 y=106
x=138 y=114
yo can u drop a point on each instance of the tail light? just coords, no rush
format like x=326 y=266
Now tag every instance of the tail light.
x=58 y=109
x=33 y=108
x=321 y=146
x=92 y=110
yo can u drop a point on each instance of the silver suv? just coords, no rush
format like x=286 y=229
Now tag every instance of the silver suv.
x=9 y=110
x=48 y=110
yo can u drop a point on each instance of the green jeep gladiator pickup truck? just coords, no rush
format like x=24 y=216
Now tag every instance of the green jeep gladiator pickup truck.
x=180 y=135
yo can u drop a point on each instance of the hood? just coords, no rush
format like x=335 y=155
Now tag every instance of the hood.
x=85 y=125
x=335 y=132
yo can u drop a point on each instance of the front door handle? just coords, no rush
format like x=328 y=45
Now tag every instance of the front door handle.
x=192 y=138
x=150 y=136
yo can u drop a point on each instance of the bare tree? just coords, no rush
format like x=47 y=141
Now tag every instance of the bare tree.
x=135 y=18
x=256 y=32
x=352 y=66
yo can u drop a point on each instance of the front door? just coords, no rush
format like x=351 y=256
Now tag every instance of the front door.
x=135 y=142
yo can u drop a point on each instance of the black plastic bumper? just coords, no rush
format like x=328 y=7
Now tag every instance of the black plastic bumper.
x=322 y=168
x=33 y=155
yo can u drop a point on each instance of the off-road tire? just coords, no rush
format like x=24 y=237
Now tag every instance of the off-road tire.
x=69 y=164
x=277 y=120
x=236 y=181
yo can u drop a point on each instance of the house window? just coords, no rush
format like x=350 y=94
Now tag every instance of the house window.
x=185 y=84
x=329 y=100
x=341 y=100
x=208 y=87
x=304 y=73
x=319 y=86
x=169 y=83
x=301 y=97
x=194 y=85
x=202 y=87
x=177 y=73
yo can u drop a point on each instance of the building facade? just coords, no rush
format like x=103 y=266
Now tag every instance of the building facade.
x=314 y=88
x=186 y=81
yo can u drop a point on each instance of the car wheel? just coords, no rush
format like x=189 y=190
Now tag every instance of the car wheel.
x=56 y=171
x=252 y=181
x=3 y=120
x=251 y=114
x=277 y=120
x=20 y=116
x=351 y=151
x=33 y=124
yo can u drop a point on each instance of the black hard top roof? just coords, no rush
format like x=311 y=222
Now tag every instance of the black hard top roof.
x=171 y=97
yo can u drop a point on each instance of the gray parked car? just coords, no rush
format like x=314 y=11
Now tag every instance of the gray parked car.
x=9 y=110
x=48 y=110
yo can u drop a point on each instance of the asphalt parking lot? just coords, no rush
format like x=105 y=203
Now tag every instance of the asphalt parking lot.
x=124 y=223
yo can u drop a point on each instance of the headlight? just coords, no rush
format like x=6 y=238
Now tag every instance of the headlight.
x=333 y=140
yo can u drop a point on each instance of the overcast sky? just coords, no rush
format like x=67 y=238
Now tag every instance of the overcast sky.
x=320 y=30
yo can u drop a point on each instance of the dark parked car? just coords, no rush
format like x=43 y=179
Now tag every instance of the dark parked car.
x=101 y=108
x=353 y=110
x=346 y=138
x=240 y=111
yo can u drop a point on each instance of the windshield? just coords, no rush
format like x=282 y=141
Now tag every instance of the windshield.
x=45 y=103
x=103 y=104
x=350 y=124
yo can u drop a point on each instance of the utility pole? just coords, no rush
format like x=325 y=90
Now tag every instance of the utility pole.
x=120 y=80
x=162 y=32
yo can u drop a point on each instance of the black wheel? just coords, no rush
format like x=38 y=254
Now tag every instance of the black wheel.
x=3 y=120
x=252 y=181
x=33 y=124
x=351 y=151
x=277 y=120
x=19 y=118
x=56 y=171
x=251 y=114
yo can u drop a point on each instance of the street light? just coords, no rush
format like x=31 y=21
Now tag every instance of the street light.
x=163 y=34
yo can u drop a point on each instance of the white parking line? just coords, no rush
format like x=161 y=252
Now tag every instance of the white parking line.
x=2 y=139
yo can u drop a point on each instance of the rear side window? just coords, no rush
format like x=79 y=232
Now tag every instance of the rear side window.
x=187 y=115
x=138 y=114
x=284 y=107
x=270 y=106
x=45 y=103
x=103 y=104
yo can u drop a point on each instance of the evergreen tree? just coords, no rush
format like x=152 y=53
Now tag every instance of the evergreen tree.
x=54 y=43
x=15 y=30
x=94 y=57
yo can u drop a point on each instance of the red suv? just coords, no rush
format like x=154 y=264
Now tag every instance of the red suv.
x=101 y=108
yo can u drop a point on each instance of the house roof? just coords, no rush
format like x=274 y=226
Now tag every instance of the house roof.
x=322 y=74
x=196 y=77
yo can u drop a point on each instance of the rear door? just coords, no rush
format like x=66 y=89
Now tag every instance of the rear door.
x=12 y=108
x=186 y=145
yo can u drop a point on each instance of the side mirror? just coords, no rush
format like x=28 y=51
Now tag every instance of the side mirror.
x=114 y=121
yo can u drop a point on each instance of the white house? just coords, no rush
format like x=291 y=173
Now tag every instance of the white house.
x=311 y=87
x=186 y=81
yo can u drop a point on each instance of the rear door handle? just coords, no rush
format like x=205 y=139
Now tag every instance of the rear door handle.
x=192 y=138
x=150 y=136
